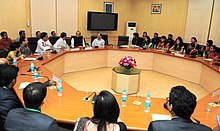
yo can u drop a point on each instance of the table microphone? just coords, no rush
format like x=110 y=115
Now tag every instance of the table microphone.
x=87 y=98
x=47 y=83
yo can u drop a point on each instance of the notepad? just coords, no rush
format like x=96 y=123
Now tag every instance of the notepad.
x=74 y=49
x=88 y=48
x=160 y=117
x=23 y=85
x=30 y=59
x=180 y=55
x=208 y=59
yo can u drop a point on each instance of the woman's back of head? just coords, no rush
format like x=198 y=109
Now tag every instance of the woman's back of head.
x=106 y=110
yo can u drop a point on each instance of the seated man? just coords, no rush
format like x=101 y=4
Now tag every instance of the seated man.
x=181 y=104
x=53 y=34
x=43 y=44
x=21 y=34
x=3 y=61
x=30 y=118
x=98 y=41
x=77 y=40
x=4 y=44
x=8 y=99
x=61 y=42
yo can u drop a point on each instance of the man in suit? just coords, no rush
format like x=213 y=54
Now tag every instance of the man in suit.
x=30 y=118
x=181 y=104
x=8 y=99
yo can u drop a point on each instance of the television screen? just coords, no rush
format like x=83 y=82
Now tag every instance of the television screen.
x=102 y=21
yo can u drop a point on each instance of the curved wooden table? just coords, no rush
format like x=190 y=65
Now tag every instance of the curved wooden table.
x=69 y=107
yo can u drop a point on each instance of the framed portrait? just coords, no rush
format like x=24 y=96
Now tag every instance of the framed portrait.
x=156 y=8
x=108 y=7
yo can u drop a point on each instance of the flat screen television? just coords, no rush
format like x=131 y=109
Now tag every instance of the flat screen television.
x=102 y=21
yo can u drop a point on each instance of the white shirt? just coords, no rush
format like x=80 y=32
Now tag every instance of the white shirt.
x=100 y=43
x=72 y=42
x=59 y=43
x=42 y=46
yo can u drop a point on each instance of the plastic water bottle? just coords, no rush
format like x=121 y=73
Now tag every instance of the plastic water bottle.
x=124 y=98
x=184 y=51
x=59 y=88
x=155 y=46
x=32 y=67
x=163 y=49
x=147 y=103
x=14 y=61
x=41 y=54
x=67 y=47
x=204 y=55
x=35 y=76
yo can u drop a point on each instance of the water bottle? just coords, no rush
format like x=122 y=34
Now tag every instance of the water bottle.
x=204 y=55
x=67 y=47
x=14 y=61
x=163 y=49
x=184 y=51
x=41 y=54
x=155 y=46
x=147 y=104
x=124 y=98
x=35 y=76
x=59 y=88
x=32 y=67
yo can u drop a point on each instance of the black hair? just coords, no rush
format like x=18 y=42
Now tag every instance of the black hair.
x=170 y=35
x=22 y=39
x=63 y=34
x=7 y=74
x=3 y=33
x=183 y=101
x=43 y=34
x=14 y=46
x=194 y=39
x=37 y=32
x=164 y=37
x=21 y=31
x=144 y=33
x=52 y=32
x=136 y=34
x=34 y=94
x=180 y=39
x=210 y=42
x=156 y=33
x=106 y=110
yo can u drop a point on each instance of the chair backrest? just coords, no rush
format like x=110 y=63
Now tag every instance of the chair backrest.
x=123 y=40
x=53 y=40
x=104 y=37
x=32 y=43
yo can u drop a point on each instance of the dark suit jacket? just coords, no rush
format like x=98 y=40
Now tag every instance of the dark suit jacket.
x=8 y=101
x=23 y=120
x=177 y=124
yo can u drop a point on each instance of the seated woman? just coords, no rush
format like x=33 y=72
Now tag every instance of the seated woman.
x=24 y=46
x=178 y=44
x=213 y=52
x=146 y=41
x=15 y=52
x=209 y=43
x=136 y=40
x=162 y=43
x=106 y=114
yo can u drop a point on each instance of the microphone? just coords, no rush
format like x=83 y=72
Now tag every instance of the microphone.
x=47 y=83
x=87 y=98
x=197 y=121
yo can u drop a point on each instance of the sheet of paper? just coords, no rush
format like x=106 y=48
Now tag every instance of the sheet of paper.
x=31 y=59
x=208 y=59
x=180 y=55
x=23 y=85
x=88 y=48
x=160 y=117
x=74 y=49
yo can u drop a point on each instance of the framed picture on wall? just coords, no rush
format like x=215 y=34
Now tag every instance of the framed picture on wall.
x=156 y=8
x=108 y=7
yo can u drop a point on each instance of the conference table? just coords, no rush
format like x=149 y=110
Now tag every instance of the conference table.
x=70 y=106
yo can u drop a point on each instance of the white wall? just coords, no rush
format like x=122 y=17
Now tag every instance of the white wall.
x=57 y=15
x=198 y=20
x=215 y=26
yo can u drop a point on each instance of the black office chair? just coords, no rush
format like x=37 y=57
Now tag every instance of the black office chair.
x=123 y=40
x=53 y=40
x=68 y=41
x=32 y=43
x=104 y=37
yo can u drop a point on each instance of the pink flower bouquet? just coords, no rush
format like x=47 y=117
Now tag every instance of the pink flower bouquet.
x=127 y=62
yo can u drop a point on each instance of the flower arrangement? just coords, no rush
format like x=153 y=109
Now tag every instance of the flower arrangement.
x=127 y=62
